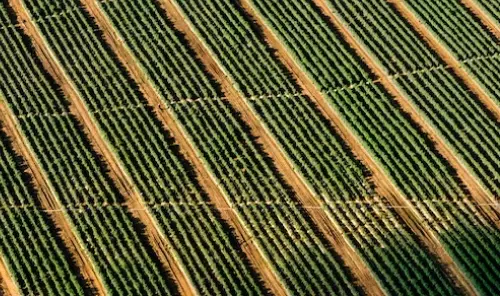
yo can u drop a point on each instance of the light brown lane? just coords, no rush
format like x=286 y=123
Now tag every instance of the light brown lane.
x=7 y=285
x=127 y=190
x=50 y=204
x=269 y=145
x=487 y=20
x=206 y=180
x=405 y=209
x=479 y=193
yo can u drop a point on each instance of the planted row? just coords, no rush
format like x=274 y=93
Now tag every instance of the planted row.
x=322 y=158
x=476 y=48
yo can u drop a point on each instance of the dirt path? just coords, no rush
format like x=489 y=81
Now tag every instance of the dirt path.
x=132 y=198
x=384 y=186
x=272 y=149
x=480 y=194
x=206 y=180
x=7 y=285
x=487 y=20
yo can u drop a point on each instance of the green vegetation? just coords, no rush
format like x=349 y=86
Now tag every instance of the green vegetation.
x=477 y=49
x=261 y=199
x=109 y=234
x=336 y=177
x=29 y=242
x=201 y=241
x=400 y=148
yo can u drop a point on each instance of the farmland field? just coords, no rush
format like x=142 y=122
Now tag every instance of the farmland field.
x=249 y=147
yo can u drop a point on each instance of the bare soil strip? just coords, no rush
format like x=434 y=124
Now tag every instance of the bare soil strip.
x=384 y=186
x=204 y=177
x=481 y=195
x=7 y=285
x=306 y=197
x=483 y=16
x=126 y=188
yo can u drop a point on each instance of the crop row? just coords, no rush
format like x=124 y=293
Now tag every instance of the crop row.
x=440 y=97
x=74 y=173
x=202 y=243
x=318 y=153
x=463 y=34
x=284 y=233
x=399 y=147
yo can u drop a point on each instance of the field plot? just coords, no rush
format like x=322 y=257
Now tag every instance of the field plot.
x=337 y=178
x=249 y=147
x=76 y=177
x=248 y=180
x=466 y=37
x=406 y=152
x=29 y=243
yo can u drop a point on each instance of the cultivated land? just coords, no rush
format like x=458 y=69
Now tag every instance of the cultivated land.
x=249 y=147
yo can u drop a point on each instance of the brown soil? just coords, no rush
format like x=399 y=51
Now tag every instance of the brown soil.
x=126 y=188
x=7 y=285
x=204 y=177
x=487 y=20
x=478 y=192
x=384 y=186
x=271 y=147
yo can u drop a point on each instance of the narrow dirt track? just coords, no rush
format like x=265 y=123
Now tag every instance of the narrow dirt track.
x=132 y=198
x=204 y=177
x=7 y=285
x=50 y=204
x=483 y=16
x=305 y=196
x=477 y=190
x=405 y=209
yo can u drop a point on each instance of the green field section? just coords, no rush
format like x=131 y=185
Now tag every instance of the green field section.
x=76 y=176
x=477 y=49
x=204 y=246
x=400 y=148
x=34 y=254
x=337 y=178
x=301 y=259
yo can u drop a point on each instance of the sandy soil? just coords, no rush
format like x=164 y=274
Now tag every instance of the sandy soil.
x=478 y=192
x=7 y=285
x=271 y=147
